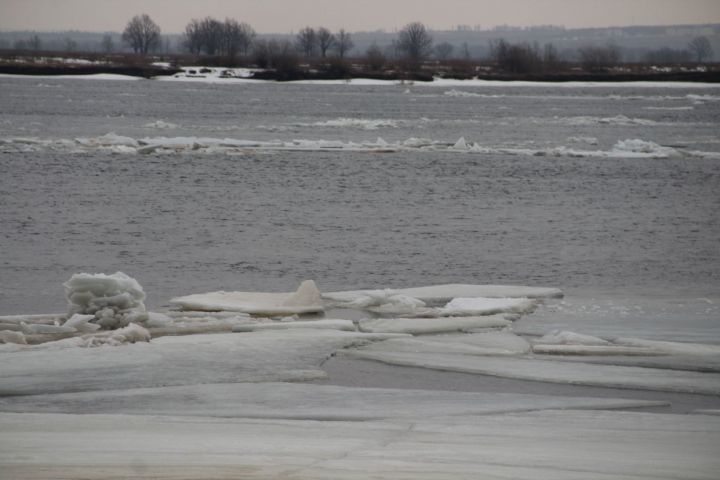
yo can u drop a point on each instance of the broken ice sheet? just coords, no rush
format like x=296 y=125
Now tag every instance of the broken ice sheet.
x=288 y=355
x=536 y=369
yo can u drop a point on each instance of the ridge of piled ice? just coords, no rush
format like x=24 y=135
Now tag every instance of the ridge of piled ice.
x=114 y=300
x=329 y=324
x=115 y=144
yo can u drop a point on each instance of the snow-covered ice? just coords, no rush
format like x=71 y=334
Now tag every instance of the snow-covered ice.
x=486 y=306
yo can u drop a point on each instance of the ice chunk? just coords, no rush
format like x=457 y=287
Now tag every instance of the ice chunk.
x=641 y=148
x=346 y=325
x=423 y=326
x=36 y=329
x=561 y=337
x=574 y=349
x=158 y=320
x=81 y=323
x=115 y=300
x=10 y=336
x=460 y=144
x=305 y=300
x=486 y=306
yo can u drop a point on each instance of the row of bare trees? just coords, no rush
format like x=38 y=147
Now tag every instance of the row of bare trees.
x=213 y=37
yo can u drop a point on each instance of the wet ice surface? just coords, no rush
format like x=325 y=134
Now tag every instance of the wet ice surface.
x=608 y=193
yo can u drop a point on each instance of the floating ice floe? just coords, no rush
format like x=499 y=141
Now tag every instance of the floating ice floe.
x=426 y=326
x=305 y=300
x=486 y=343
x=130 y=334
x=562 y=337
x=552 y=371
x=114 y=300
x=442 y=294
x=325 y=324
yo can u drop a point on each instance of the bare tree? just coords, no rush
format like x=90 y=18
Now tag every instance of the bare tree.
x=211 y=34
x=193 y=36
x=142 y=34
x=595 y=58
x=107 y=43
x=551 y=58
x=306 y=41
x=700 y=48
x=237 y=38
x=325 y=40
x=415 y=42
x=516 y=58
x=343 y=43
x=34 y=43
x=465 y=51
x=374 y=58
x=70 y=44
x=443 y=51
x=668 y=55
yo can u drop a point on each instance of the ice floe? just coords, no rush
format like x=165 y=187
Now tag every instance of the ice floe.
x=324 y=324
x=551 y=371
x=427 y=326
x=538 y=445
x=486 y=343
x=442 y=294
x=305 y=300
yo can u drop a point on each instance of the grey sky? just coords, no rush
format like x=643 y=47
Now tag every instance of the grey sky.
x=291 y=15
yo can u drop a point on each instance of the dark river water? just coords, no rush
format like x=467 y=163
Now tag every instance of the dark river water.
x=549 y=196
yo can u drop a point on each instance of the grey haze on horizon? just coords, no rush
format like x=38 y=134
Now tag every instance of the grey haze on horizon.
x=284 y=16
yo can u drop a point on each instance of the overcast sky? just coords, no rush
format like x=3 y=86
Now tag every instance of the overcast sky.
x=280 y=16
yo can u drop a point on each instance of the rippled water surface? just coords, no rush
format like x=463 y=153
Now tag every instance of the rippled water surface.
x=522 y=208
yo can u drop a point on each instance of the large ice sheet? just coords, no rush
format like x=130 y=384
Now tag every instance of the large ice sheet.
x=288 y=355
x=551 y=371
x=426 y=326
x=441 y=294
x=547 y=445
x=300 y=402
x=305 y=300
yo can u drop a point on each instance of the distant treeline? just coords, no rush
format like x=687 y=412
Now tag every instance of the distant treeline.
x=234 y=43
